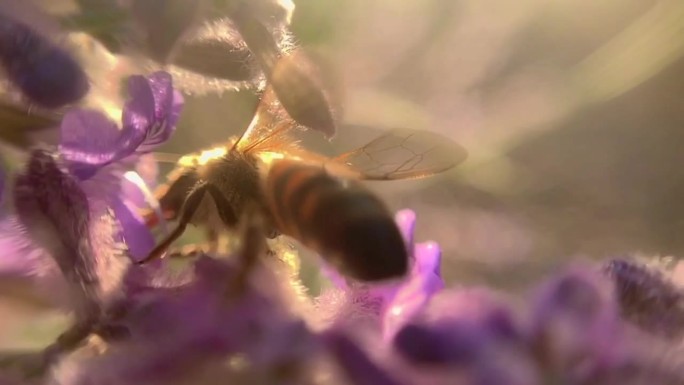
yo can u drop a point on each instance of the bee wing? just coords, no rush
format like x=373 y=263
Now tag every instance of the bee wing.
x=403 y=154
x=297 y=97
x=270 y=123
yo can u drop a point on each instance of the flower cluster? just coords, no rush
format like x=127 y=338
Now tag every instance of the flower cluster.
x=75 y=219
x=75 y=230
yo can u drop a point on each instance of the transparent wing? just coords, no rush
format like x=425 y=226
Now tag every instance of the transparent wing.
x=404 y=154
x=294 y=99
x=270 y=123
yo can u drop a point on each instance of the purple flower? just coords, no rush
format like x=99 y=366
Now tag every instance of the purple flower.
x=90 y=141
x=97 y=152
x=44 y=73
x=72 y=213
x=413 y=295
x=647 y=297
x=575 y=328
x=458 y=327
x=177 y=331
x=355 y=363
x=55 y=216
x=386 y=306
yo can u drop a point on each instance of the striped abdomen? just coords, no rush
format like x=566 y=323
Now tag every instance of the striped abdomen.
x=344 y=222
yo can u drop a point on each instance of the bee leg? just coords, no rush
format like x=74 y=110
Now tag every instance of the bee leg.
x=212 y=241
x=224 y=207
x=190 y=206
x=252 y=247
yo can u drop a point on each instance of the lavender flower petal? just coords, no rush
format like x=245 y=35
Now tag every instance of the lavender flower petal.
x=388 y=305
x=79 y=235
x=21 y=258
x=111 y=186
x=45 y=74
x=413 y=296
x=406 y=220
x=647 y=298
x=143 y=178
x=458 y=326
x=443 y=345
x=91 y=141
x=54 y=210
x=177 y=331
x=168 y=104
x=575 y=319
x=355 y=363
x=135 y=232
x=28 y=269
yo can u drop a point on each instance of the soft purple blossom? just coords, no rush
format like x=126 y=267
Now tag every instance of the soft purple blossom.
x=98 y=152
x=575 y=328
x=386 y=306
x=647 y=297
x=72 y=211
x=78 y=234
x=175 y=331
x=355 y=363
x=90 y=141
x=45 y=74
x=457 y=326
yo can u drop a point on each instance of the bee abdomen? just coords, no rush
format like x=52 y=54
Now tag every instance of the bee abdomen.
x=344 y=222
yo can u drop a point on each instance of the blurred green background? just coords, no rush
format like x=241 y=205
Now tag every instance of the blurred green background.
x=572 y=113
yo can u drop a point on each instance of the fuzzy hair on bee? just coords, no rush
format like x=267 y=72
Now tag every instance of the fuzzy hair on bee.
x=317 y=200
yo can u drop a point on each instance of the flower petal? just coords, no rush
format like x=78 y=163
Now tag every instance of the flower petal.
x=414 y=294
x=176 y=331
x=355 y=363
x=446 y=344
x=138 y=111
x=89 y=140
x=45 y=74
x=391 y=304
x=57 y=216
x=647 y=297
x=153 y=109
x=575 y=316
x=20 y=257
x=135 y=232
x=406 y=220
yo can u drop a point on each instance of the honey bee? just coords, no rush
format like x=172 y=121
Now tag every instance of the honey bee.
x=317 y=200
